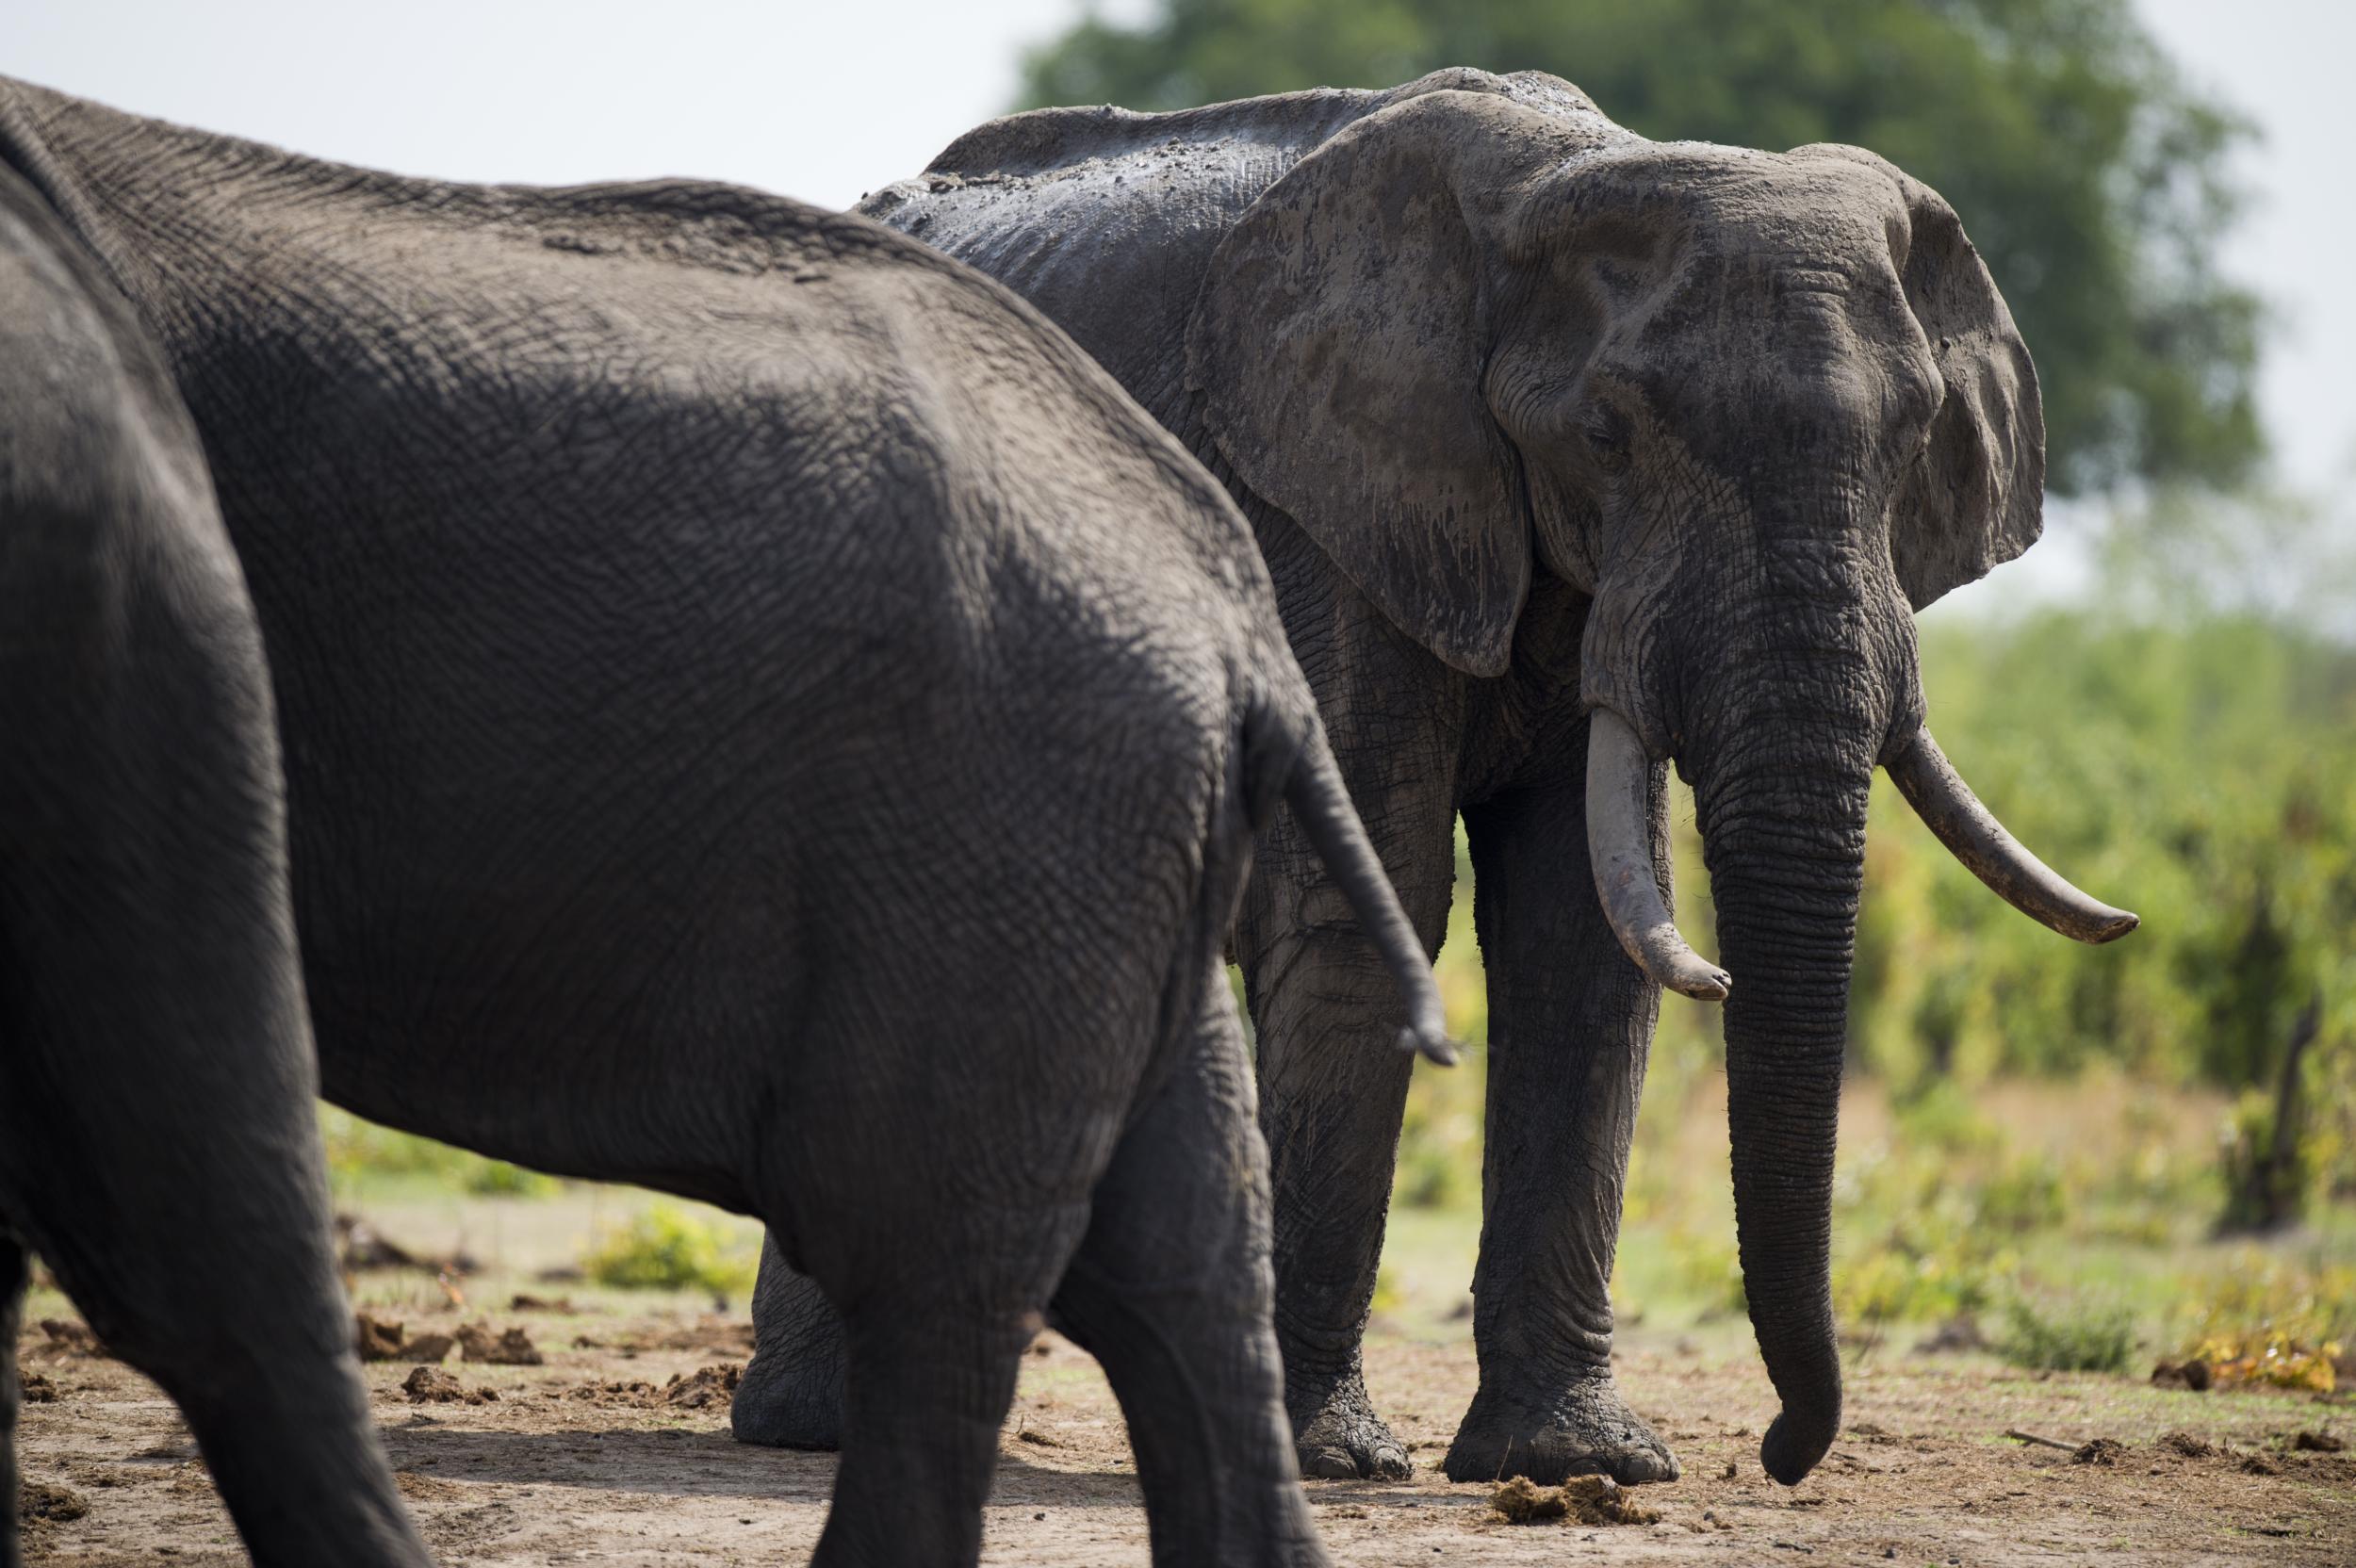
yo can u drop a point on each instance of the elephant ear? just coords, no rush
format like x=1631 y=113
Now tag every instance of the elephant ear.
x=1338 y=345
x=1976 y=495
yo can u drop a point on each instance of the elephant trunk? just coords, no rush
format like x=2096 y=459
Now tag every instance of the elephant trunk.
x=1780 y=791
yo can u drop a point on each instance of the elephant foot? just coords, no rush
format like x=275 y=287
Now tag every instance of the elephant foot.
x=781 y=1403
x=1338 y=1437
x=1587 y=1429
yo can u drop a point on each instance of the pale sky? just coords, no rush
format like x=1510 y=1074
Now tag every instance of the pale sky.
x=825 y=99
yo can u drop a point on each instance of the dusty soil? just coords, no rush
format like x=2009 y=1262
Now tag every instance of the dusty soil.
x=596 y=1456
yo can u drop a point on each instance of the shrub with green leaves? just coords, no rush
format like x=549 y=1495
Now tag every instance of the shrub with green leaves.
x=665 y=1248
x=2068 y=1337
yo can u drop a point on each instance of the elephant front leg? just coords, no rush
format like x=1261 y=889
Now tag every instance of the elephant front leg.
x=791 y=1396
x=1333 y=1090
x=1570 y=1027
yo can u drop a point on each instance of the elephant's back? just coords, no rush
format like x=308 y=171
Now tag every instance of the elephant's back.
x=1112 y=248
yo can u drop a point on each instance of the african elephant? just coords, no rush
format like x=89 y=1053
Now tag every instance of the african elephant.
x=156 y=1069
x=767 y=719
x=1572 y=454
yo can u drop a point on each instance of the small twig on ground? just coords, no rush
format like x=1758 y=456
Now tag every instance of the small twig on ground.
x=2019 y=1436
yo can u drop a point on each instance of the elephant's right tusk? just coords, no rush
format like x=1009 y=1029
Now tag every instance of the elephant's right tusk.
x=1971 y=833
x=1619 y=845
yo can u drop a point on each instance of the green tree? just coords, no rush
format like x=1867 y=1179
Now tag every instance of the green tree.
x=2090 y=175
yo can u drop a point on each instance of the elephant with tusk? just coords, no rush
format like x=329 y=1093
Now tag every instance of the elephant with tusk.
x=1572 y=454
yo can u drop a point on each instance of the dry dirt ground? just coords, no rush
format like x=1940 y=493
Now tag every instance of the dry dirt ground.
x=571 y=1465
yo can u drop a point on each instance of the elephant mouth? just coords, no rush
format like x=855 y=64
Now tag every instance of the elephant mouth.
x=1619 y=784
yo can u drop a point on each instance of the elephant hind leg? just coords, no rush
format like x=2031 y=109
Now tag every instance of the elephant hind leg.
x=932 y=1356
x=937 y=1231
x=791 y=1396
x=1171 y=1292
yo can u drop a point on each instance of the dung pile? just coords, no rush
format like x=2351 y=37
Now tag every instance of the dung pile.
x=512 y=1348
x=431 y=1385
x=46 y=1500
x=381 y=1339
x=2185 y=1445
x=1586 y=1499
x=705 y=1388
x=62 y=1336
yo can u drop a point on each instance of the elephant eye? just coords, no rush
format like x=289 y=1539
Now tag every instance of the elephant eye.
x=1607 y=439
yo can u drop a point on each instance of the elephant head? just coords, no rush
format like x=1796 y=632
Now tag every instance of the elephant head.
x=1757 y=408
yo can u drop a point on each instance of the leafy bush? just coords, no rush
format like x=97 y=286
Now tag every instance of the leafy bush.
x=1939 y=1117
x=499 y=1179
x=2072 y=1338
x=2257 y=1301
x=665 y=1247
x=2024 y=1194
x=1898 y=1283
x=1710 y=1272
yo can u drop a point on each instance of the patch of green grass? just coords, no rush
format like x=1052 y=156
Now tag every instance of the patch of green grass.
x=663 y=1248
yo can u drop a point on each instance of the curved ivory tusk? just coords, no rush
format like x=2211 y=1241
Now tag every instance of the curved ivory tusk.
x=1971 y=833
x=1619 y=845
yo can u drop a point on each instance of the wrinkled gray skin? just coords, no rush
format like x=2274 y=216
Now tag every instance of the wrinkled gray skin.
x=158 y=1144
x=1534 y=417
x=764 y=718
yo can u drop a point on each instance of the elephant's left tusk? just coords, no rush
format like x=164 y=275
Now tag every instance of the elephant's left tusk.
x=1971 y=833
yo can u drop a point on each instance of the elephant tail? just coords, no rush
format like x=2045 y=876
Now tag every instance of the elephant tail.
x=1313 y=787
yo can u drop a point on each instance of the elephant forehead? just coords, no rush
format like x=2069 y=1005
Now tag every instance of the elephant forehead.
x=1704 y=200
